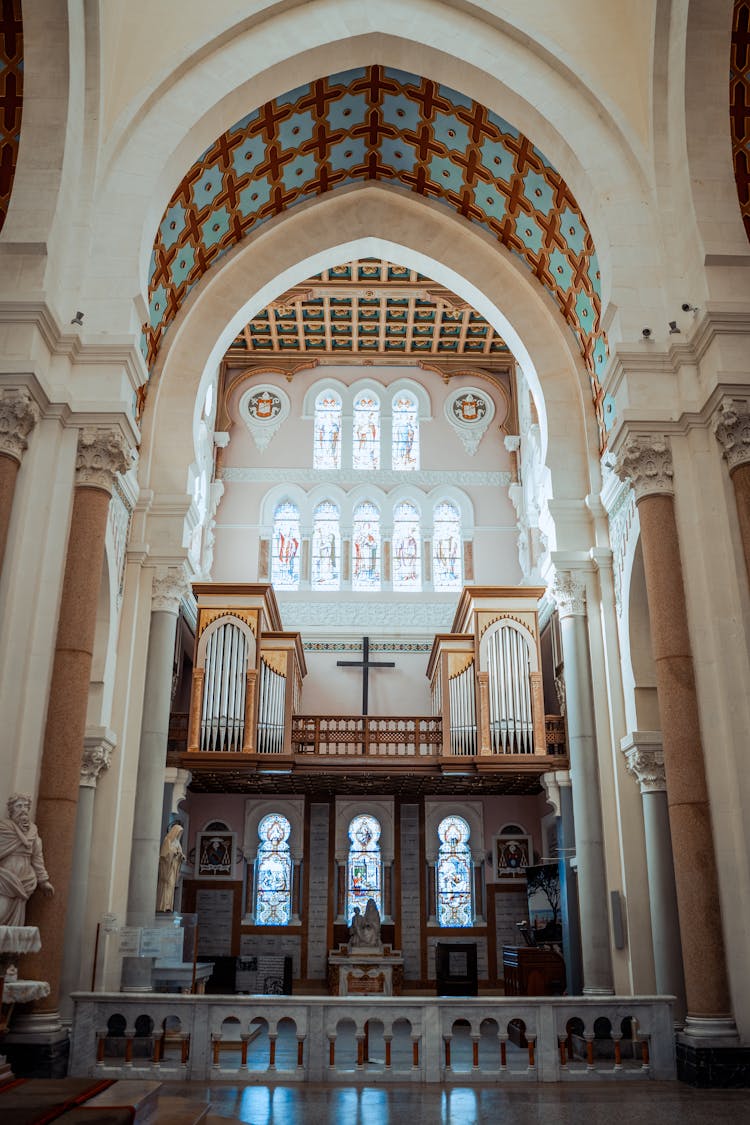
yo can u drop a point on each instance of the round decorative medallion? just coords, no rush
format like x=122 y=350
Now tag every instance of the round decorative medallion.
x=470 y=412
x=263 y=409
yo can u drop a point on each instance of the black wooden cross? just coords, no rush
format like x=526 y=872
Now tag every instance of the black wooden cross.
x=365 y=664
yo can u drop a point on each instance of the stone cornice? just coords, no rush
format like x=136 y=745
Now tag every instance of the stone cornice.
x=19 y=413
x=645 y=459
x=731 y=426
x=102 y=453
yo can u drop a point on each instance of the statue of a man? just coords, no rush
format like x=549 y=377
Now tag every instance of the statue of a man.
x=22 y=867
x=170 y=860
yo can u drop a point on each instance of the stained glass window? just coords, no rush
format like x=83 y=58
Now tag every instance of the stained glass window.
x=363 y=866
x=327 y=451
x=446 y=547
x=366 y=443
x=285 y=547
x=454 y=873
x=366 y=547
x=273 y=872
x=326 y=547
x=405 y=449
x=407 y=548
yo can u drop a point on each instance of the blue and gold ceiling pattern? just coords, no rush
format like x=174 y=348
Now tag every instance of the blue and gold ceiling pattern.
x=11 y=96
x=370 y=307
x=375 y=123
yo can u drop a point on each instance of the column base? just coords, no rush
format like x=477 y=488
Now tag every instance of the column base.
x=598 y=992
x=715 y=1067
x=38 y=1046
x=137 y=974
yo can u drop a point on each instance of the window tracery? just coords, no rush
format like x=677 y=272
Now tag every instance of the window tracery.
x=453 y=873
x=446 y=547
x=326 y=547
x=407 y=547
x=366 y=432
x=285 y=570
x=364 y=866
x=273 y=872
x=327 y=451
x=405 y=443
x=366 y=547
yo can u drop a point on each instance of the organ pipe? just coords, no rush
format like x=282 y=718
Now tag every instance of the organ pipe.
x=508 y=664
x=224 y=688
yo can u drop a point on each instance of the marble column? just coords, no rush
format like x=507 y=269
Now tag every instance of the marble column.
x=102 y=454
x=646 y=460
x=168 y=590
x=19 y=414
x=731 y=426
x=645 y=761
x=570 y=595
x=97 y=754
x=558 y=788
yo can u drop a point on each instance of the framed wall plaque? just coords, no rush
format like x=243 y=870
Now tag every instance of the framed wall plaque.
x=214 y=855
x=513 y=854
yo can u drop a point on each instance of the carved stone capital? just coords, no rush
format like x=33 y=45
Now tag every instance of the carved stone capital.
x=102 y=453
x=731 y=426
x=169 y=589
x=646 y=461
x=569 y=592
x=19 y=414
x=97 y=755
x=553 y=781
x=646 y=764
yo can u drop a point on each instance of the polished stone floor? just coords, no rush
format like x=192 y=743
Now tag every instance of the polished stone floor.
x=602 y=1103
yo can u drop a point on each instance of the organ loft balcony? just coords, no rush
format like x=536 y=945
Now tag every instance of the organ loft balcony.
x=487 y=730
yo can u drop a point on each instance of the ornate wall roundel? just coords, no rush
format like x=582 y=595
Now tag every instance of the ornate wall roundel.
x=470 y=412
x=263 y=409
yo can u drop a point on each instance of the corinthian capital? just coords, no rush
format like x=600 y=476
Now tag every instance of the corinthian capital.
x=731 y=426
x=169 y=589
x=646 y=461
x=646 y=764
x=102 y=453
x=19 y=414
x=97 y=754
x=569 y=591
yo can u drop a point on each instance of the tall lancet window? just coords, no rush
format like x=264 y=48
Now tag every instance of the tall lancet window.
x=273 y=872
x=364 y=865
x=446 y=547
x=366 y=547
x=285 y=547
x=326 y=547
x=327 y=450
x=407 y=548
x=454 y=871
x=366 y=435
x=405 y=448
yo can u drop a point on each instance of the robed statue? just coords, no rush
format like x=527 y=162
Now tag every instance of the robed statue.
x=364 y=931
x=170 y=861
x=22 y=867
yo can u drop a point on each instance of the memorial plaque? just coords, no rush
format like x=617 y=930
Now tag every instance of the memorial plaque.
x=130 y=941
x=456 y=969
x=365 y=986
x=215 y=910
x=317 y=922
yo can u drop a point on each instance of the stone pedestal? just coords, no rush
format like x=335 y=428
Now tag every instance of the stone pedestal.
x=363 y=972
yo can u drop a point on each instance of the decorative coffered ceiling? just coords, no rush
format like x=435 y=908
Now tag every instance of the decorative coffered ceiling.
x=370 y=308
x=11 y=96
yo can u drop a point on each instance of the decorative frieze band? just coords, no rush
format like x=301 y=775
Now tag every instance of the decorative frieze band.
x=97 y=755
x=103 y=452
x=569 y=592
x=731 y=426
x=19 y=414
x=646 y=461
x=169 y=589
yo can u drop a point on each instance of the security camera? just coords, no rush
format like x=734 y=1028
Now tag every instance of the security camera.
x=687 y=307
x=646 y=333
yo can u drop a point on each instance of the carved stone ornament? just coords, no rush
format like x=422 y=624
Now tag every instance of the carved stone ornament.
x=97 y=755
x=103 y=452
x=646 y=461
x=469 y=412
x=569 y=592
x=19 y=414
x=168 y=590
x=263 y=410
x=731 y=426
x=646 y=764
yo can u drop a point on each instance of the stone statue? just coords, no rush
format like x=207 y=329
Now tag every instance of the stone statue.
x=22 y=867
x=170 y=859
x=364 y=931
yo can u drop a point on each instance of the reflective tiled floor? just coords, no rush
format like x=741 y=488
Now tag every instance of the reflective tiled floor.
x=626 y=1103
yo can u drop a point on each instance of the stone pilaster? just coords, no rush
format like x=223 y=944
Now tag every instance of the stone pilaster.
x=731 y=425
x=645 y=761
x=102 y=453
x=19 y=414
x=646 y=460
x=570 y=595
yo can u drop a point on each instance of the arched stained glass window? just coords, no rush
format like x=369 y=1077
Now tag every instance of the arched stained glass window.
x=405 y=448
x=327 y=450
x=454 y=873
x=366 y=547
x=285 y=547
x=326 y=547
x=366 y=435
x=364 y=865
x=273 y=872
x=407 y=548
x=446 y=547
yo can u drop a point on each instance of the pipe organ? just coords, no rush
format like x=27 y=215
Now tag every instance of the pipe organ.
x=271 y=708
x=224 y=688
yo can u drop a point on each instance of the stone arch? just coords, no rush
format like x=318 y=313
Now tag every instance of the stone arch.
x=381 y=222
